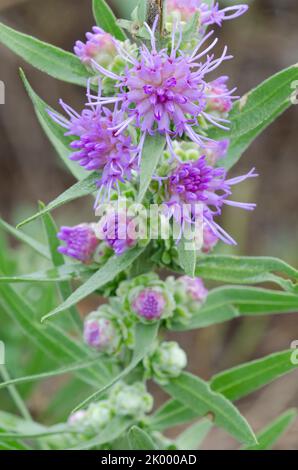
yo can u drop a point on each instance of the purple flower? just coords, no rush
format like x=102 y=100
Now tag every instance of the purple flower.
x=149 y=304
x=165 y=92
x=100 y=46
x=80 y=242
x=97 y=146
x=99 y=333
x=209 y=14
x=194 y=287
x=196 y=183
x=116 y=232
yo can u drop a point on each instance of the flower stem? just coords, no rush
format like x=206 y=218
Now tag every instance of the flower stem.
x=156 y=8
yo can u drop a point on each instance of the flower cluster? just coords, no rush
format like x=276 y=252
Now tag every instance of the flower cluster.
x=130 y=401
x=166 y=362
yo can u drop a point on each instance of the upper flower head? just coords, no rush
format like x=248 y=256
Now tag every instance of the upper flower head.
x=100 y=46
x=80 y=242
x=196 y=182
x=165 y=91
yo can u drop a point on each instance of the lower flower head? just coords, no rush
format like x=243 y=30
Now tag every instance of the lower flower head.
x=131 y=400
x=80 y=242
x=166 y=362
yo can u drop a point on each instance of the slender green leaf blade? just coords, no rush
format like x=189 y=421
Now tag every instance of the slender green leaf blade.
x=105 y=274
x=152 y=150
x=268 y=437
x=82 y=188
x=52 y=60
x=54 y=132
x=197 y=395
x=193 y=436
x=106 y=19
x=140 y=440
x=246 y=378
x=21 y=236
x=255 y=111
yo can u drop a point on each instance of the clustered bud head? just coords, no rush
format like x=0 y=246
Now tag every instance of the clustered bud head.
x=147 y=298
x=131 y=400
x=101 y=330
x=80 y=242
x=166 y=362
x=100 y=47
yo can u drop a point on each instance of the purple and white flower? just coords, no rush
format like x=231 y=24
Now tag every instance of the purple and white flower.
x=100 y=46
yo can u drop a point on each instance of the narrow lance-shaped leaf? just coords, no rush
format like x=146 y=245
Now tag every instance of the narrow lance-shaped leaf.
x=82 y=188
x=241 y=380
x=68 y=272
x=145 y=336
x=197 y=395
x=54 y=132
x=193 y=436
x=139 y=440
x=271 y=433
x=255 y=111
x=151 y=153
x=245 y=270
x=58 y=260
x=106 y=19
x=105 y=274
x=228 y=302
x=23 y=237
x=52 y=60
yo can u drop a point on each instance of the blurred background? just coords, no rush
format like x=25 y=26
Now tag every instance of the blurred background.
x=263 y=42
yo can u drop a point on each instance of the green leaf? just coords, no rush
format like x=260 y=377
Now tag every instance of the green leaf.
x=105 y=274
x=187 y=255
x=52 y=60
x=82 y=188
x=151 y=153
x=169 y=415
x=255 y=111
x=197 y=395
x=246 y=378
x=228 y=302
x=106 y=19
x=54 y=132
x=271 y=433
x=52 y=373
x=112 y=431
x=193 y=436
x=245 y=270
x=58 y=260
x=145 y=336
x=64 y=273
x=54 y=343
x=21 y=236
x=140 y=440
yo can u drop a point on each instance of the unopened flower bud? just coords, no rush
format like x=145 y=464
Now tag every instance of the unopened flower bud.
x=131 y=400
x=100 y=47
x=219 y=98
x=99 y=414
x=167 y=361
x=80 y=242
x=101 y=333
